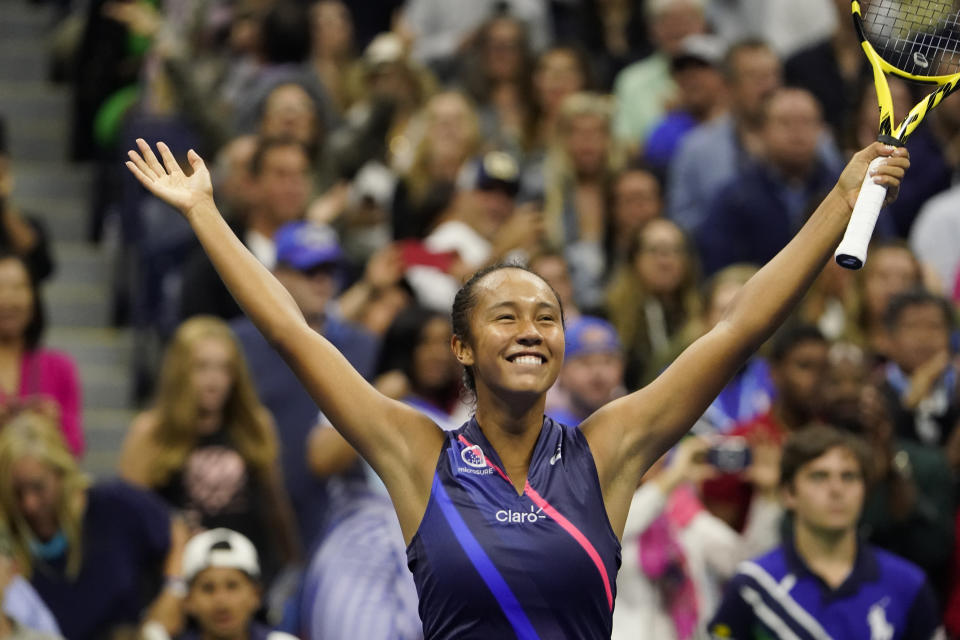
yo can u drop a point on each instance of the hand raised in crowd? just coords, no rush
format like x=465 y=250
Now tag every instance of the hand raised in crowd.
x=924 y=378
x=526 y=230
x=141 y=18
x=167 y=181
x=764 y=470
x=384 y=268
x=688 y=463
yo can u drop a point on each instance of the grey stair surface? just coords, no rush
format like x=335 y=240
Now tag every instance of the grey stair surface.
x=78 y=297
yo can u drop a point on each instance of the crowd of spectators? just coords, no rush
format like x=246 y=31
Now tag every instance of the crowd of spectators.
x=643 y=156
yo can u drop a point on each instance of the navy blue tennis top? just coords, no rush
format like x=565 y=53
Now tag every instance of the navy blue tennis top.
x=489 y=563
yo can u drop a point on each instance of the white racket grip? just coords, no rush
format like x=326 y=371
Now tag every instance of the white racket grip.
x=852 y=252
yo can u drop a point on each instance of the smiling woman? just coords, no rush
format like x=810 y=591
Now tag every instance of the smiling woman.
x=478 y=576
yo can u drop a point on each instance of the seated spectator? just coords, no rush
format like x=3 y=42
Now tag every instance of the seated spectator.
x=332 y=53
x=208 y=447
x=281 y=188
x=552 y=267
x=701 y=97
x=682 y=554
x=284 y=42
x=714 y=153
x=637 y=199
x=653 y=299
x=833 y=69
x=829 y=303
x=750 y=392
x=798 y=362
x=357 y=584
x=909 y=509
x=95 y=553
x=645 y=88
x=291 y=113
x=822 y=581
x=33 y=378
x=592 y=373
x=933 y=153
x=920 y=382
x=560 y=72
x=416 y=366
x=892 y=269
x=579 y=172
x=498 y=75
x=756 y=214
x=307 y=260
x=221 y=570
x=613 y=34
x=449 y=139
x=21 y=233
x=442 y=30
x=935 y=235
x=480 y=227
x=23 y=615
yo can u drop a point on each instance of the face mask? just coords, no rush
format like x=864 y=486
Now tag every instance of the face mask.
x=52 y=549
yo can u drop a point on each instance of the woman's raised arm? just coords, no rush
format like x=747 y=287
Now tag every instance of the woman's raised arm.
x=399 y=443
x=628 y=434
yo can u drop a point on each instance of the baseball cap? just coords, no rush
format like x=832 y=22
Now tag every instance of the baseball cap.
x=589 y=334
x=223 y=548
x=386 y=48
x=493 y=170
x=699 y=48
x=304 y=245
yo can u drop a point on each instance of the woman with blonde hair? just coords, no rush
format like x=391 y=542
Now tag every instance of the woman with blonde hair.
x=88 y=549
x=445 y=136
x=654 y=299
x=578 y=173
x=208 y=445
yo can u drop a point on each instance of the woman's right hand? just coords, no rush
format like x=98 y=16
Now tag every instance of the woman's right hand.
x=167 y=181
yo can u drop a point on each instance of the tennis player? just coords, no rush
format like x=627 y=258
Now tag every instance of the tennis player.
x=513 y=521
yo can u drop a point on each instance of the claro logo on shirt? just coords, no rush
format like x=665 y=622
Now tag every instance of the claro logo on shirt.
x=509 y=516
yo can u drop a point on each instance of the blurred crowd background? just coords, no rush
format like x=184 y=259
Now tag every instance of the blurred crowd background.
x=643 y=156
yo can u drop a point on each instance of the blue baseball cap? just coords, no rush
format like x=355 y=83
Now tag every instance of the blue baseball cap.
x=494 y=171
x=589 y=334
x=304 y=245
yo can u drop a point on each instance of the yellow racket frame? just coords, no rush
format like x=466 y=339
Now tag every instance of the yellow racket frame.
x=947 y=84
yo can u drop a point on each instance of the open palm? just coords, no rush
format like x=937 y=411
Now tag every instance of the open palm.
x=167 y=181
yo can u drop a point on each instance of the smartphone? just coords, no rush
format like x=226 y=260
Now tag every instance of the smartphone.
x=413 y=254
x=730 y=454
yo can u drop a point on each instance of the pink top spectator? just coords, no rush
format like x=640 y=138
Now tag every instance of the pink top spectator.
x=53 y=374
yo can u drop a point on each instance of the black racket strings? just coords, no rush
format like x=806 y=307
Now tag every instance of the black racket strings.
x=918 y=37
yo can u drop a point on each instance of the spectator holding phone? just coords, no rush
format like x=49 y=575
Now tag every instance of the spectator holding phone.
x=822 y=581
x=798 y=362
x=482 y=225
x=676 y=554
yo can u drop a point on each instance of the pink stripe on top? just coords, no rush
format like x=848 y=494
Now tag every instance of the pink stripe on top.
x=557 y=517
x=577 y=535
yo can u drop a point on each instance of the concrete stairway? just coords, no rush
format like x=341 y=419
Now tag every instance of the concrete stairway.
x=78 y=296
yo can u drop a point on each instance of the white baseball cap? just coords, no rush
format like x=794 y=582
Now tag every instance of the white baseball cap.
x=219 y=548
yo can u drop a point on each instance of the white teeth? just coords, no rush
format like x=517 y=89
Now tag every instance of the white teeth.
x=528 y=360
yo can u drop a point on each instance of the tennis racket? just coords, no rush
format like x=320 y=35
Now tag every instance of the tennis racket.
x=915 y=39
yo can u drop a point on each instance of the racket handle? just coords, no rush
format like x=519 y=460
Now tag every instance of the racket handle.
x=852 y=252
